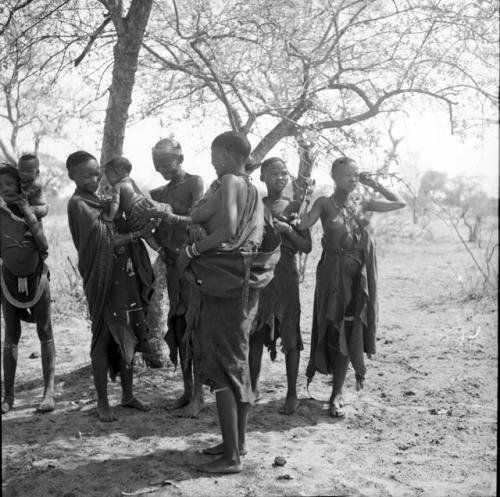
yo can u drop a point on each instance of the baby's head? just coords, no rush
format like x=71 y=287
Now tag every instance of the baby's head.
x=117 y=169
x=29 y=168
x=9 y=182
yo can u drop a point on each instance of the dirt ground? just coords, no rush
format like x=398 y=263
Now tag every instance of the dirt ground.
x=425 y=424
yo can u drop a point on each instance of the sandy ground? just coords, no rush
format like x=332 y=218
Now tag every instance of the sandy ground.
x=425 y=425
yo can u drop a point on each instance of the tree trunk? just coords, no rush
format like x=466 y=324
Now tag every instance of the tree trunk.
x=305 y=167
x=414 y=210
x=126 y=53
x=280 y=131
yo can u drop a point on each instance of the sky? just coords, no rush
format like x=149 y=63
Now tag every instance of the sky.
x=428 y=144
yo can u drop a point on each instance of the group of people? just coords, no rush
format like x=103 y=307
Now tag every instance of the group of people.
x=231 y=273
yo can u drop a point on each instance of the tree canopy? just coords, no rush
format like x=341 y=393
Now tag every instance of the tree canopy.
x=318 y=71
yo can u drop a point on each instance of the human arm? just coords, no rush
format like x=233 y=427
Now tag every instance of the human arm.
x=36 y=199
x=309 y=219
x=34 y=225
x=300 y=239
x=120 y=239
x=224 y=208
x=113 y=205
x=40 y=210
x=392 y=200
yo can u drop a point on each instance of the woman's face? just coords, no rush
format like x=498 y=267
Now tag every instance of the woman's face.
x=346 y=176
x=275 y=176
x=9 y=187
x=168 y=165
x=86 y=176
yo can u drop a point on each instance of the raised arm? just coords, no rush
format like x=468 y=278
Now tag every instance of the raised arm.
x=392 y=201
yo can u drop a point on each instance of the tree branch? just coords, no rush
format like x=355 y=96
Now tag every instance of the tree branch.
x=11 y=14
x=92 y=39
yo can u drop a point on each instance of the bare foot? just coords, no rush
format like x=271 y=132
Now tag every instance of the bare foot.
x=290 y=405
x=182 y=401
x=193 y=408
x=135 y=403
x=7 y=404
x=217 y=450
x=48 y=404
x=105 y=413
x=221 y=466
x=360 y=383
x=258 y=395
x=336 y=406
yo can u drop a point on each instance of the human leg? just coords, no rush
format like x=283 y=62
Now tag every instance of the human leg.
x=191 y=399
x=292 y=359
x=228 y=411
x=127 y=380
x=99 y=357
x=43 y=321
x=255 y=358
x=339 y=364
x=12 y=336
x=196 y=403
x=179 y=326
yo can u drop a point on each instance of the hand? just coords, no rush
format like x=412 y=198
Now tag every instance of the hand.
x=183 y=261
x=365 y=179
x=281 y=226
x=22 y=203
x=151 y=208
x=148 y=229
x=294 y=220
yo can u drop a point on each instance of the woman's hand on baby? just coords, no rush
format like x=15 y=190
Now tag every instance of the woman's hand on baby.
x=22 y=202
x=154 y=209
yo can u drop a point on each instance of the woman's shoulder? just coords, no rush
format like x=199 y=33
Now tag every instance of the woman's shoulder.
x=323 y=202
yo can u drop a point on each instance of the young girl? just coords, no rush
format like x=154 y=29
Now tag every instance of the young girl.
x=345 y=301
x=24 y=285
x=117 y=278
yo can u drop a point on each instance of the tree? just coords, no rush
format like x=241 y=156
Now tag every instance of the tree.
x=466 y=196
x=284 y=67
x=72 y=28
x=130 y=29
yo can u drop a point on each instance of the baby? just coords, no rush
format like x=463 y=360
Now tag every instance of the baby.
x=31 y=186
x=126 y=195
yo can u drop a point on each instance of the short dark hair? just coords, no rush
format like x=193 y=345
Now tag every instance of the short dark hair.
x=25 y=158
x=121 y=164
x=270 y=162
x=77 y=158
x=233 y=142
x=341 y=161
x=9 y=170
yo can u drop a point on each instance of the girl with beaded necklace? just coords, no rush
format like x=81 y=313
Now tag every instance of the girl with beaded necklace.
x=345 y=300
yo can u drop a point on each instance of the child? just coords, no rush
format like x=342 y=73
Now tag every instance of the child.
x=181 y=192
x=345 y=301
x=220 y=264
x=24 y=282
x=31 y=187
x=125 y=195
x=117 y=278
x=279 y=305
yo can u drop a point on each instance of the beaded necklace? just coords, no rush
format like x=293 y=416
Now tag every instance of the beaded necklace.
x=348 y=212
